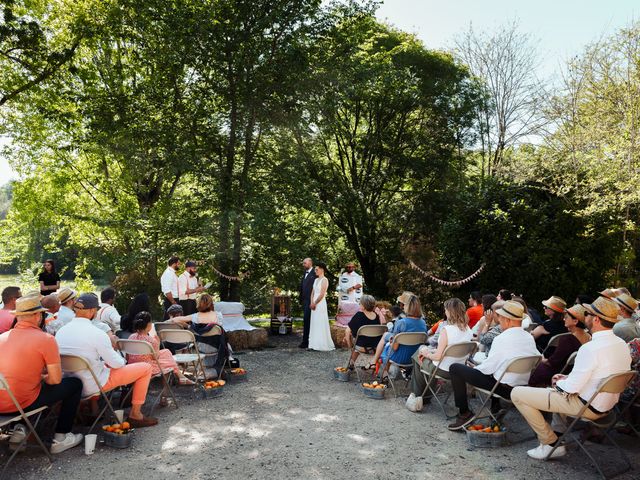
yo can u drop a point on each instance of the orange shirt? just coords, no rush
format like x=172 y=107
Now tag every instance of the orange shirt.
x=475 y=314
x=6 y=320
x=25 y=351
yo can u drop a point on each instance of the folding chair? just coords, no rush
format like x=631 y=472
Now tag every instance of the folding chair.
x=75 y=364
x=191 y=359
x=165 y=326
x=21 y=416
x=410 y=339
x=139 y=347
x=215 y=331
x=569 y=363
x=612 y=384
x=366 y=331
x=519 y=365
x=553 y=342
x=462 y=350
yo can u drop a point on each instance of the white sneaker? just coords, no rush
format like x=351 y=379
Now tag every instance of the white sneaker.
x=17 y=436
x=70 y=441
x=541 y=452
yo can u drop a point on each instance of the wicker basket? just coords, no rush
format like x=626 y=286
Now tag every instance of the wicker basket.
x=479 y=439
x=114 y=440
x=376 y=393
x=342 y=376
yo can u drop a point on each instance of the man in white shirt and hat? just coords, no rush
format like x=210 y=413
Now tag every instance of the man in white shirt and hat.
x=65 y=314
x=188 y=287
x=605 y=355
x=169 y=284
x=350 y=284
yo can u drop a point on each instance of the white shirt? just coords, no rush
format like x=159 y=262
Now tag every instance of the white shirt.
x=80 y=337
x=169 y=283
x=345 y=282
x=514 y=342
x=454 y=335
x=64 y=316
x=604 y=355
x=186 y=281
x=198 y=318
x=108 y=315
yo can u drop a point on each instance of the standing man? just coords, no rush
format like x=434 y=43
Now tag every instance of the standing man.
x=169 y=284
x=188 y=286
x=350 y=284
x=9 y=297
x=306 y=286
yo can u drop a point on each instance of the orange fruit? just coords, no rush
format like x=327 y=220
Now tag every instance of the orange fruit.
x=221 y=383
x=106 y=428
x=126 y=425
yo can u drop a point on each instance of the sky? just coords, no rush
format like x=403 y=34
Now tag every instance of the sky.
x=562 y=27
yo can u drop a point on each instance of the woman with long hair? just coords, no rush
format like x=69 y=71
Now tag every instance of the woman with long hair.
x=49 y=278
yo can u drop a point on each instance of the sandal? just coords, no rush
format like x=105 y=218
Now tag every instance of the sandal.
x=185 y=381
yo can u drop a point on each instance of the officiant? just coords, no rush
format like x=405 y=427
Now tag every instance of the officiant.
x=350 y=284
x=189 y=286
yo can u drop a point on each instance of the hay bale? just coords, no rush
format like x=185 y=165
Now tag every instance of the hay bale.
x=258 y=338
x=337 y=335
x=238 y=339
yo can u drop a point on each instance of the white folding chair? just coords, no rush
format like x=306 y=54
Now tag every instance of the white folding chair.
x=519 y=365
x=366 y=331
x=461 y=352
x=75 y=364
x=409 y=339
x=192 y=359
x=614 y=384
x=553 y=342
x=24 y=417
x=139 y=347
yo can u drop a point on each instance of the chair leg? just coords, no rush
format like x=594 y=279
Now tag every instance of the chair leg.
x=32 y=430
x=108 y=406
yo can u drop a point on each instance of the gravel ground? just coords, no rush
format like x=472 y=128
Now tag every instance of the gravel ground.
x=293 y=420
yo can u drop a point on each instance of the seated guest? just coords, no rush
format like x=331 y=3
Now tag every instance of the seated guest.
x=504 y=295
x=142 y=326
x=631 y=391
x=490 y=330
x=9 y=297
x=81 y=338
x=512 y=343
x=205 y=314
x=108 y=314
x=603 y=356
x=475 y=310
x=412 y=322
x=66 y=297
x=487 y=301
x=396 y=313
x=366 y=316
x=627 y=328
x=140 y=303
x=527 y=321
x=428 y=359
x=52 y=305
x=27 y=352
x=554 y=363
x=554 y=309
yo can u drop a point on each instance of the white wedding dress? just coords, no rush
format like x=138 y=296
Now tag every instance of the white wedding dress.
x=319 y=331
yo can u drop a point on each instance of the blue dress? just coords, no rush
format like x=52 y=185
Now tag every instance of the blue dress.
x=404 y=352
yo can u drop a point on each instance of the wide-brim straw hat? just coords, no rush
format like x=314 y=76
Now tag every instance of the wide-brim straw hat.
x=28 y=306
x=577 y=312
x=404 y=298
x=511 y=310
x=609 y=293
x=556 y=304
x=604 y=308
x=65 y=294
x=627 y=302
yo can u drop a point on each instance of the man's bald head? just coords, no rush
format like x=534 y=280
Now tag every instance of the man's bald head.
x=51 y=303
x=307 y=263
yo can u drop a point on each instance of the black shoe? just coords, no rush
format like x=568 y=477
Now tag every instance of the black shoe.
x=303 y=345
x=461 y=421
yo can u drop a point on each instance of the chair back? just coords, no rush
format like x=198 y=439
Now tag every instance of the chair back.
x=553 y=341
x=616 y=383
x=73 y=363
x=521 y=365
x=371 y=331
x=410 y=338
x=460 y=350
x=177 y=336
x=165 y=326
x=215 y=331
x=136 y=347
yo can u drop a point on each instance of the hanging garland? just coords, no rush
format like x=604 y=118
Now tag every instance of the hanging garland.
x=241 y=276
x=446 y=283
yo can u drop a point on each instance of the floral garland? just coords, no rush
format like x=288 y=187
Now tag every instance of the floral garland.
x=446 y=283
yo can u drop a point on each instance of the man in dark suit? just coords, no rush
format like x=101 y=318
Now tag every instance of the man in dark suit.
x=306 y=286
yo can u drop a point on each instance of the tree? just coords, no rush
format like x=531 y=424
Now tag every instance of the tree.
x=512 y=111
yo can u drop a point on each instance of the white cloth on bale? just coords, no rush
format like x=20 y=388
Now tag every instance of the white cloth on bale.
x=232 y=313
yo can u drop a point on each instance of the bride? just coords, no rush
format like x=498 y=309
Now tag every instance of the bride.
x=320 y=333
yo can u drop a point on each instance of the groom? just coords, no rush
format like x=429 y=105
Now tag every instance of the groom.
x=306 y=286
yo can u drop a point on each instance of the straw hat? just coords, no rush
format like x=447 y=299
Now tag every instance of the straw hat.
x=33 y=293
x=605 y=308
x=511 y=310
x=555 y=303
x=404 y=298
x=28 y=306
x=577 y=312
x=627 y=302
x=609 y=293
x=65 y=294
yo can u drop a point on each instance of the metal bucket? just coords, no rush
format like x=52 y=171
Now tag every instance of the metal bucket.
x=118 y=441
x=342 y=376
x=479 y=439
x=377 y=393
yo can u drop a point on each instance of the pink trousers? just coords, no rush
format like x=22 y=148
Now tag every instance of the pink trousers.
x=137 y=373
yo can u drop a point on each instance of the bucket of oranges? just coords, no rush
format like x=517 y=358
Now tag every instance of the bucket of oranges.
x=374 y=390
x=486 y=436
x=342 y=374
x=238 y=375
x=118 y=435
x=213 y=388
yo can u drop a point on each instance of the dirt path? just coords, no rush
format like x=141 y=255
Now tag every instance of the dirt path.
x=292 y=420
